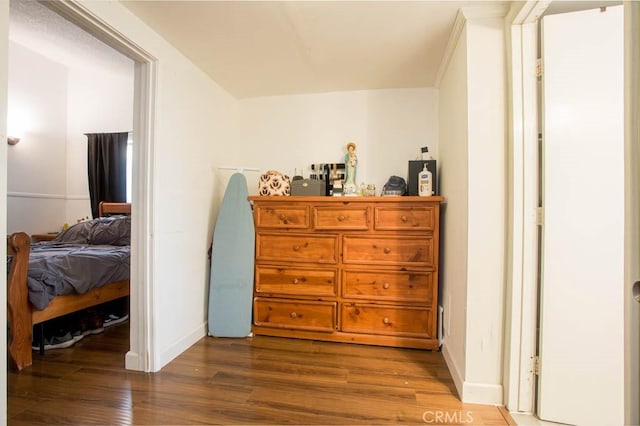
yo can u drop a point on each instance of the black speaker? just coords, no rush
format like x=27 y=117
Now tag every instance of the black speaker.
x=415 y=166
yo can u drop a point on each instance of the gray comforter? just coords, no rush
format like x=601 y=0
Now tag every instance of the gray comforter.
x=59 y=268
x=86 y=256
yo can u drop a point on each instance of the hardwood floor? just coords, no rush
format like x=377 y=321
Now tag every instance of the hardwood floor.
x=259 y=380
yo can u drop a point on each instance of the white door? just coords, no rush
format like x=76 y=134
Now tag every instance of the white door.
x=581 y=343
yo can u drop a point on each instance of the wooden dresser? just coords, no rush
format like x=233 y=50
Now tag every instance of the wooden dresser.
x=347 y=269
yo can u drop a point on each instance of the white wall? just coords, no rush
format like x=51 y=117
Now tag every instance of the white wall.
x=472 y=127
x=195 y=123
x=486 y=209
x=454 y=185
x=294 y=131
x=56 y=105
x=98 y=101
x=36 y=166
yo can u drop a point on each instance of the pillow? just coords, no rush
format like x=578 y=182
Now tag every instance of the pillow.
x=274 y=183
x=112 y=230
x=76 y=234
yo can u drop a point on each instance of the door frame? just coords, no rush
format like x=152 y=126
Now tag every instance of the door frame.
x=632 y=210
x=4 y=71
x=141 y=355
x=521 y=29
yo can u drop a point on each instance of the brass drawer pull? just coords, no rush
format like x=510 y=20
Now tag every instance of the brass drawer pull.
x=293 y=315
x=282 y=217
x=385 y=286
x=296 y=248
x=385 y=320
x=387 y=250
x=404 y=218
x=341 y=218
x=295 y=281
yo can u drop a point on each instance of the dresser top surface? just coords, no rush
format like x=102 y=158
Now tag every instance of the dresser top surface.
x=349 y=200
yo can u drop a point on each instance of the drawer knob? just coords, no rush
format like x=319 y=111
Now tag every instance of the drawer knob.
x=387 y=250
x=385 y=320
x=404 y=218
x=295 y=281
x=385 y=286
x=293 y=315
x=282 y=217
x=341 y=218
x=296 y=248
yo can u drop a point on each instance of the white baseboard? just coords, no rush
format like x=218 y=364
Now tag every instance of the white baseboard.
x=458 y=380
x=482 y=393
x=182 y=345
x=476 y=393
x=133 y=361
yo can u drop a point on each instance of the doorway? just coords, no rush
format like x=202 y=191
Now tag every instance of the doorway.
x=140 y=354
x=520 y=361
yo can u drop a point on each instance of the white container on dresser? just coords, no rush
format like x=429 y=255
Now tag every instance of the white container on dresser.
x=358 y=269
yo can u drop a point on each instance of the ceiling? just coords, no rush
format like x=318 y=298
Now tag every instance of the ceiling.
x=261 y=48
x=38 y=28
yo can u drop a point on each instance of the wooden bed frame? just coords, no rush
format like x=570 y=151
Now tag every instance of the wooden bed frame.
x=22 y=316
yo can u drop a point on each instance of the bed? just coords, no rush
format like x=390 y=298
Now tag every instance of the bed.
x=83 y=266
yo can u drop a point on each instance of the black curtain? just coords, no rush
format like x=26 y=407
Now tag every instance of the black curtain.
x=107 y=167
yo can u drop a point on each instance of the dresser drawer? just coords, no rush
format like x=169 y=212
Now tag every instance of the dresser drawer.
x=389 y=320
x=268 y=216
x=405 y=218
x=415 y=287
x=297 y=247
x=407 y=250
x=295 y=314
x=296 y=281
x=341 y=218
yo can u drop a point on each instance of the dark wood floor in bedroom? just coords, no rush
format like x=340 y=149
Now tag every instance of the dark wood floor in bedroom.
x=258 y=380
